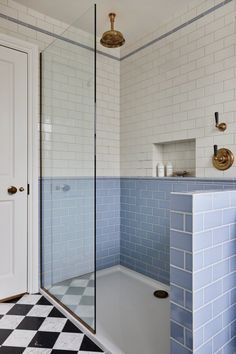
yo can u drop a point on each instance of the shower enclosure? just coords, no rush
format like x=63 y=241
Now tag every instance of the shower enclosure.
x=68 y=167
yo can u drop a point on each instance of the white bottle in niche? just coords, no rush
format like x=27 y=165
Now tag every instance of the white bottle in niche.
x=160 y=170
x=169 y=169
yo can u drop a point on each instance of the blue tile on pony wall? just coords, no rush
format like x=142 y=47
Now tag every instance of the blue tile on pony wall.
x=229 y=216
x=202 y=240
x=177 y=295
x=221 y=200
x=181 y=202
x=213 y=219
x=177 y=258
x=177 y=348
x=181 y=278
x=202 y=316
x=202 y=202
x=181 y=240
x=198 y=223
x=189 y=339
x=221 y=269
x=221 y=234
x=181 y=316
x=177 y=221
x=213 y=255
x=177 y=332
x=188 y=222
x=221 y=338
x=202 y=278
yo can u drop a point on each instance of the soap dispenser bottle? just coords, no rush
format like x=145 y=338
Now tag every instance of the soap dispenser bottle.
x=160 y=170
x=169 y=169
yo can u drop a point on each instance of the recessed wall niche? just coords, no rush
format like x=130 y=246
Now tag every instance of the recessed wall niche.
x=181 y=153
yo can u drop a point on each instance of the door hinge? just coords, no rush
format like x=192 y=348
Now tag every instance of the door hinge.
x=28 y=189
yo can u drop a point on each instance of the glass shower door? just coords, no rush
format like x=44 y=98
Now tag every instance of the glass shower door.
x=68 y=268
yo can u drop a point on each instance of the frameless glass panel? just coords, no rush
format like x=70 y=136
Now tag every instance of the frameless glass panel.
x=68 y=169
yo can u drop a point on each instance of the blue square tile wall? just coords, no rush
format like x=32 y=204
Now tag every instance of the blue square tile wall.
x=145 y=220
x=68 y=226
x=133 y=216
x=108 y=222
x=202 y=272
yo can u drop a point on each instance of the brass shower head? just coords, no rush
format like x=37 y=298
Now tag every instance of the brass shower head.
x=112 y=38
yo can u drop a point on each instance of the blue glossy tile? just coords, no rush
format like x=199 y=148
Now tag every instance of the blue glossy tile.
x=177 y=295
x=181 y=240
x=221 y=200
x=205 y=349
x=221 y=269
x=177 y=348
x=213 y=255
x=202 y=316
x=181 y=316
x=188 y=261
x=221 y=234
x=202 y=240
x=181 y=203
x=189 y=339
x=177 y=221
x=202 y=202
x=188 y=222
x=181 y=278
x=220 y=339
x=177 y=258
x=229 y=216
x=213 y=219
x=177 y=332
x=198 y=223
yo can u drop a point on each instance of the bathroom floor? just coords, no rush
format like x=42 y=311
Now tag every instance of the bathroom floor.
x=130 y=320
x=34 y=325
x=78 y=295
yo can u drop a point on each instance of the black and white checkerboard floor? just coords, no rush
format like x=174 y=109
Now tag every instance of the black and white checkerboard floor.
x=78 y=295
x=31 y=324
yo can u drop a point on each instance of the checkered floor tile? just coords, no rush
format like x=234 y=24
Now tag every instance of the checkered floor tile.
x=31 y=324
x=78 y=295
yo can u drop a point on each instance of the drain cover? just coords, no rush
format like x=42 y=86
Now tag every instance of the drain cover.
x=161 y=294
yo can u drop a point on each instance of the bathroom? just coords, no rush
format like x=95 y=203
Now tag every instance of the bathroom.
x=121 y=199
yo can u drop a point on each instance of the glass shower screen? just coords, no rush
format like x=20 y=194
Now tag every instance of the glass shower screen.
x=68 y=268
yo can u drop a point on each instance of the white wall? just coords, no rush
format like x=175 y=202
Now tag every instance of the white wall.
x=170 y=90
x=63 y=157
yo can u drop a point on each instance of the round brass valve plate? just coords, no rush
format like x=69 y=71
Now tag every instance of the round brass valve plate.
x=223 y=160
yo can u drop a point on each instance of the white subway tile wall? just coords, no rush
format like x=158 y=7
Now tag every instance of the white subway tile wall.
x=66 y=140
x=171 y=89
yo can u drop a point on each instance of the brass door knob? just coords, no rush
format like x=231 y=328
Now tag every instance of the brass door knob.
x=12 y=190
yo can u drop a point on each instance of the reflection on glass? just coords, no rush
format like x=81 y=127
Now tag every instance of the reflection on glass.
x=67 y=125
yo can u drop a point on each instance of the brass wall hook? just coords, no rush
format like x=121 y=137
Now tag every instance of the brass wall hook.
x=222 y=158
x=221 y=126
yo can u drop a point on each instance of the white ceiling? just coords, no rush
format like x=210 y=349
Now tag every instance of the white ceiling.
x=135 y=18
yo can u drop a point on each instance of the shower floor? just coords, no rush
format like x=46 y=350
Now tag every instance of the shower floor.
x=130 y=320
x=78 y=295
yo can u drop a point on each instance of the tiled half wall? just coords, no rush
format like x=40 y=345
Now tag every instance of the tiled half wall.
x=133 y=226
x=203 y=276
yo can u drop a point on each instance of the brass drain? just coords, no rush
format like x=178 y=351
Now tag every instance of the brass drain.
x=161 y=294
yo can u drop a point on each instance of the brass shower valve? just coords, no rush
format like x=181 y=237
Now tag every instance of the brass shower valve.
x=221 y=126
x=222 y=158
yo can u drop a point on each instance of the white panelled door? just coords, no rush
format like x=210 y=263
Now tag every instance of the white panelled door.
x=13 y=172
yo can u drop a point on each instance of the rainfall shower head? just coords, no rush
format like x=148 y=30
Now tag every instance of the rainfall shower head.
x=112 y=38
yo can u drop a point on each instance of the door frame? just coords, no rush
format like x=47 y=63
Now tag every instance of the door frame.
x=33 y=154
